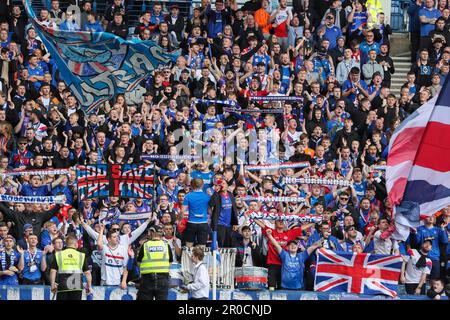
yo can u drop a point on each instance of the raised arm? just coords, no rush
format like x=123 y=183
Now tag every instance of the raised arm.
x=140 y=230
x=274 y=242
x=100 y=244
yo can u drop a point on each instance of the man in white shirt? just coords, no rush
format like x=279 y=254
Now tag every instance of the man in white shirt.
x=415 y=269
x=199 y=288
x=383 y=242
x=114 y=259
x=173 y=242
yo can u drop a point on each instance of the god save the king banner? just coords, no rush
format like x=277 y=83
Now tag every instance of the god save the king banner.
x=115 y=180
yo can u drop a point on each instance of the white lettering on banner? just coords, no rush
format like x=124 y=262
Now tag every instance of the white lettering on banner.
x=118 y=294
x=37 y=293
x=122 y=78
x=140 y=63
x=13 y=293
x=181 y=296
x=99 y=293
x=265 y=295
x=156 y=53
x=241 y=296
x=309 y=296
x=85 y=98
x=279 y=296
x=225 y=295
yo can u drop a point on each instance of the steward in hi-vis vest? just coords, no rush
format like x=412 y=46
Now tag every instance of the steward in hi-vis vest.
x=154 y=261
x=70 y=264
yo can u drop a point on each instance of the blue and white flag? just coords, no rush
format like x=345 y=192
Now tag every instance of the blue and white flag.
x=97 y=66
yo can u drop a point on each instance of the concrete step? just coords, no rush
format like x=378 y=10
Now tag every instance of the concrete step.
x=402 y=64
x=402 y=58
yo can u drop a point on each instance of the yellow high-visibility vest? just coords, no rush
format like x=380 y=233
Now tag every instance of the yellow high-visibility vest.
x=70 y=261
x=373 y=9
x=156 y=257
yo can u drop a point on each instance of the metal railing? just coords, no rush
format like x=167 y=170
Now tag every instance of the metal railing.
x=399 y=15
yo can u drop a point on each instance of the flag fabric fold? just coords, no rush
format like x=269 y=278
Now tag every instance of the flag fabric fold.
x=97 y=66
x=418 y=164
x=362 y=273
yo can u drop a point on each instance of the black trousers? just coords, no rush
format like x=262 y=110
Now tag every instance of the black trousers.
x=31 y=282
x=274 y=276
x=69 y=295
x=153 y=287
x=415 y=43
x=224 y=236
x=410 y=288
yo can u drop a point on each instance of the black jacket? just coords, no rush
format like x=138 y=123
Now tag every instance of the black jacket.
x=215 y=204
x=257 y=256
x=37 y=219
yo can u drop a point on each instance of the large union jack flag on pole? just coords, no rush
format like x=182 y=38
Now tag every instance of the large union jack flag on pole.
x=418 y=164
x=363 y=273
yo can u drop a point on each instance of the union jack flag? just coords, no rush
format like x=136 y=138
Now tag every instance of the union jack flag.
x=92 y=181
x=116 y=180
x=357 y=272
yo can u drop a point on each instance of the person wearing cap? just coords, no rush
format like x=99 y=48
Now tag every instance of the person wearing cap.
x=9 y=259
x=154 y=260
x=292 y=262
x=329 y=30
x=337 y=53
x=175 y=23
x=416 y=267
x=282 y=236
x=438 y=236
x=27 y=231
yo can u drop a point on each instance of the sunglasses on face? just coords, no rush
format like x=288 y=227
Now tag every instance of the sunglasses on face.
x=344 y=198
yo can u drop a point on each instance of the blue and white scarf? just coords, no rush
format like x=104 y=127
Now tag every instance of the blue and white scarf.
x=285 y=165
x=31 y=199
x=326 y=182
x=302 y=218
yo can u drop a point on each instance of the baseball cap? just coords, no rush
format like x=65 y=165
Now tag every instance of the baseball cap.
x=292 y=241
x=174 y=6
x=27 y=226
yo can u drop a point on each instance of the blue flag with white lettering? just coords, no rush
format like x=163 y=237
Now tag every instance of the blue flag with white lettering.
x=97 y=66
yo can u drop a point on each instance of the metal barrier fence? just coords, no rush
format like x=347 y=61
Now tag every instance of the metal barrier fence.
x=399 y=15
x=11 y=293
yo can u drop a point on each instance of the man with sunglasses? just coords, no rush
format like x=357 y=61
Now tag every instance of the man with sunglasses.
x=343 y=208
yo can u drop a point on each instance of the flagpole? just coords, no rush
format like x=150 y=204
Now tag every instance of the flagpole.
x=214 y=268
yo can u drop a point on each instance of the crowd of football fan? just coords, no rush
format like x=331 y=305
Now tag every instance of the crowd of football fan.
x=332 y=56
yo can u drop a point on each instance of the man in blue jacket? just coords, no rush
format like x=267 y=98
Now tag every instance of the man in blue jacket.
x=414 y=26
x=437 y=235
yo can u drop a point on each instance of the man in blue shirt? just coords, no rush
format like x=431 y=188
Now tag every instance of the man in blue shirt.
x=32 y=261
x=330 y=31
x=204 y=174
x=367 y=45
x=414 y=26
x=224 y=214
x=35 y=71
x=196 y=203
x=427 y=16
x=354 y=86
x=36 y=188
x=292 y=263
x=438 y=236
